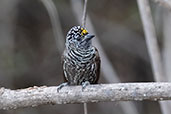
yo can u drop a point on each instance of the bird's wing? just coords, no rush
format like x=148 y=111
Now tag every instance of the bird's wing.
x=97 y=62
x=63 y=57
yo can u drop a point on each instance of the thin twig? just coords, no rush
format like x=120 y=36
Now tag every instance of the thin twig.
x=85 y=108
x=84 y=13
x=83 y=25
x=34 y=96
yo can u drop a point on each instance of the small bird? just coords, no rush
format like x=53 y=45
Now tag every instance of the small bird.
x=80 y=60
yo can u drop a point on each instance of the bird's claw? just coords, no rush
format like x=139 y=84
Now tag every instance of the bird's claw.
x=85 y=84
x=61 y=86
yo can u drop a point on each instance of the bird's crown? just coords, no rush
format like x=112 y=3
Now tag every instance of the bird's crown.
x=76 y=32
x=78 y=38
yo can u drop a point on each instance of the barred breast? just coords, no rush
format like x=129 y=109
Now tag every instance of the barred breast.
x=81 y=66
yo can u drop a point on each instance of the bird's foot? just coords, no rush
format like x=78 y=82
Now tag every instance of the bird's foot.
x=85 y=84
x=61 y=86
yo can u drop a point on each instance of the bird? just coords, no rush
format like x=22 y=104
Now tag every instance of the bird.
x=80 y=59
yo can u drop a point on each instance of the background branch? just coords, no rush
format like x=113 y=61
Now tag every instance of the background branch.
x=151 y=39
x=152 y=46
x=83 y=25
x=56 y=25
x=34 y=96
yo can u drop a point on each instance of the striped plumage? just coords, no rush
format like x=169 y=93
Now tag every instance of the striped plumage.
x=80 y=60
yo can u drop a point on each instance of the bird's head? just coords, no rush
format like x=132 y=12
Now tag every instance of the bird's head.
x=79 y=38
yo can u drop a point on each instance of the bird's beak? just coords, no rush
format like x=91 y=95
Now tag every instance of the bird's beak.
x=89 y=37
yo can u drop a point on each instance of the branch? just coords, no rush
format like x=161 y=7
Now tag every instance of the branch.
x=151 y=39
x=34 y=96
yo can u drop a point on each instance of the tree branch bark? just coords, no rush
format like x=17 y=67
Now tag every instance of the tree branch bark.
x=34 y=96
